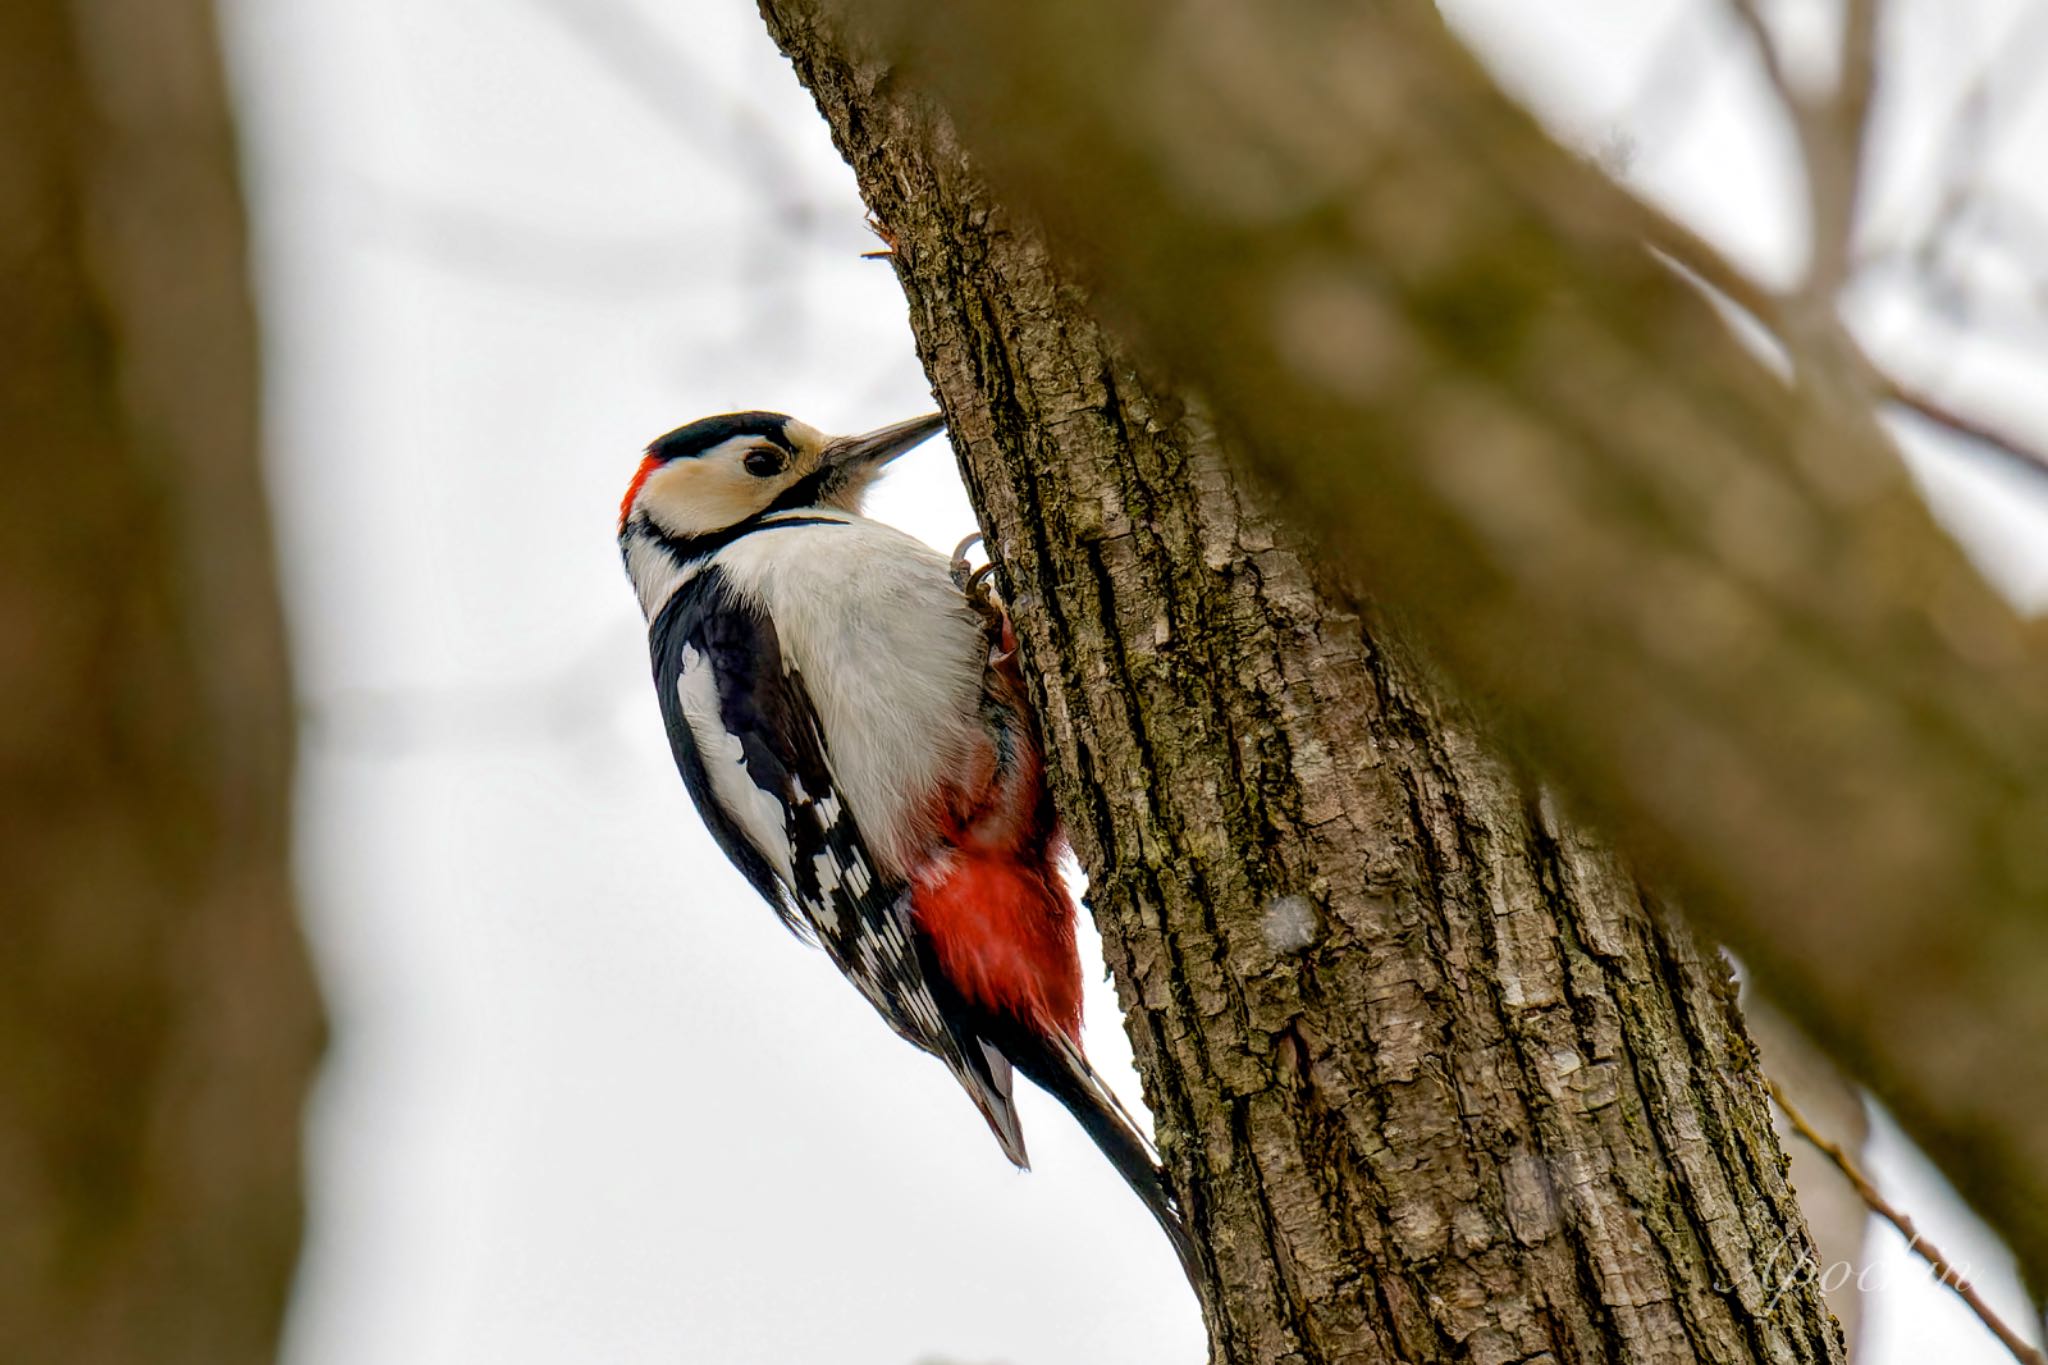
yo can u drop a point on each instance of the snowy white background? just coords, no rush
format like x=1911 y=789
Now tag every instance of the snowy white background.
x=587 y=1101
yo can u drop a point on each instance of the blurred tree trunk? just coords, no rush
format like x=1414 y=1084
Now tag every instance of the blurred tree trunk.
x=1433 y=1077
x=157 y=1022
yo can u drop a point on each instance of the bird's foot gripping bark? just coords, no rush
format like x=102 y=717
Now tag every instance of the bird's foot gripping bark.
x=975 y=587
x=963 y=567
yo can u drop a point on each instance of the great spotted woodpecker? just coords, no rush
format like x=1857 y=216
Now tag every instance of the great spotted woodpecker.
x=846 y=711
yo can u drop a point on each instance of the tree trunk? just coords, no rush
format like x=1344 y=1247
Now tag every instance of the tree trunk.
x=1431 y=1076
x=157 y=1022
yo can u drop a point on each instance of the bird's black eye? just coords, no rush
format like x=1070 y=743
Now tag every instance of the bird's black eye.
x=765 y=461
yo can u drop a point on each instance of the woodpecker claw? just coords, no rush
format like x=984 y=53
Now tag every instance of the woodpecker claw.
x=985 y=605
x=963 y=574
x=974 y=586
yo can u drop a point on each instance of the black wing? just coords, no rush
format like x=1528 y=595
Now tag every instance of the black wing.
x=755 y=760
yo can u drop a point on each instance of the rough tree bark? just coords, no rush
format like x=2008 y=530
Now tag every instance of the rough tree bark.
x=1433 y=1078
x=1709 y=603
x=157 y=1023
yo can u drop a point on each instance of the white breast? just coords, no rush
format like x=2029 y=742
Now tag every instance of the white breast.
x=892 y=657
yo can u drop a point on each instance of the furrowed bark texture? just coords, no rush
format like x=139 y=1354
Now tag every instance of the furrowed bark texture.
x=1433 y=1080
x=158 y=1026
x=1709 y=604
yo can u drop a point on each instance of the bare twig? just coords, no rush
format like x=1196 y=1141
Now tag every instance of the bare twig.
x=1750 y=14
x=1836 y=165
x=1856 y=73
x=1932 y=409
x=1944 y=1269
x=2002 y=86
x=1831 y=131
x=1700 y=259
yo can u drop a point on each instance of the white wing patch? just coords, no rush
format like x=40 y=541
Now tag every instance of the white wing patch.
x=756 y=811
x=840 y=871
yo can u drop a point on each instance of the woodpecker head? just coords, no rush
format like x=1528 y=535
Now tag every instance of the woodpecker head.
x=716 y=473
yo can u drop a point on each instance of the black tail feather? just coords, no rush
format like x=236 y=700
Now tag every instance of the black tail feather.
x=1057 y=1067
x=1061 y=1070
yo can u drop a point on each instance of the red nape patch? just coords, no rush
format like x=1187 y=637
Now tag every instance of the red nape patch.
x=1003 y=933
x=647 y=466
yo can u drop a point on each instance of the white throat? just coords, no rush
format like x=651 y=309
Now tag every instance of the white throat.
x=655 y=573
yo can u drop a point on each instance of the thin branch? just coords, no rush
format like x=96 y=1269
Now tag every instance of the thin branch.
x=1750 y=14
x=1696 y=257
x=1831 y=132
x=1842 y=134
x=1944 y=1269
x=1932 y=409
x=1856 y=72
x=1989 y=106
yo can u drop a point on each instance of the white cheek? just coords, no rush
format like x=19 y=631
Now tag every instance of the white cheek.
x=694 y=496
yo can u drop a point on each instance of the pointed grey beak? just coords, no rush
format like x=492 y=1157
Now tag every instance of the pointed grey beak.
x=851 y=456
